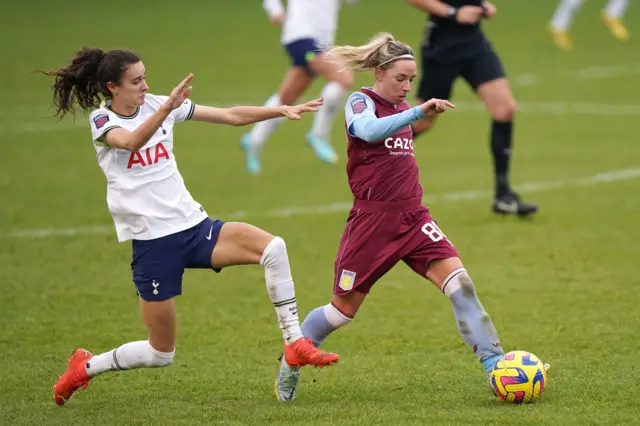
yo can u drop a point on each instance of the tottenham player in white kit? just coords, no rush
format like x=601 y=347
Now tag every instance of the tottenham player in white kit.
x=132 y=132
x=308 y=27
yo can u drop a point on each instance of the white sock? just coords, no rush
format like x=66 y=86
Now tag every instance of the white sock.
x=277 y=274
x=450 y=284
x=138 y=354
x=616 y=8
x=332 y=93
x=263 y=129
x=564 y=14
x=336 y=318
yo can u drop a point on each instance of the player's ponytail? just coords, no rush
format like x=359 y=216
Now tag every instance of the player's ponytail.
x=77 y=83
x=83 y=82
x=381 y=51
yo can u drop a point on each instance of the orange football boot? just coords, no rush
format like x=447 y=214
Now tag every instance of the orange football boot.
x=302 y=352
x=74 y=378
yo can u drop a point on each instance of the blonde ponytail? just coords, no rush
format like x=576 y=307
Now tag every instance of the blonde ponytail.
x=381 y=51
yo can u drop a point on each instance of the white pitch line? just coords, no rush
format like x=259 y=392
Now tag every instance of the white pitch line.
x=597 y=73
x=559 y=108
x=525 y=80
x=61 y=232
x=605 y=177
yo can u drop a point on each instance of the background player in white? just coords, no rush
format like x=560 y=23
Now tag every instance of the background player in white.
x=133 y=135
x=308 y=27
x=563 y=16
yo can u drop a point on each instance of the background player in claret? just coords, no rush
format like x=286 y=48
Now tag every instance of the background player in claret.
x=455 y=46
x=388 y=223
x=567 y=9
x=132 y=132
x=308 y=27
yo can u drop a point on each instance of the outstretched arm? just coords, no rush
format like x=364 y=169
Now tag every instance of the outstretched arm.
x=362 y=122
x=370 y=128
x=243 y=115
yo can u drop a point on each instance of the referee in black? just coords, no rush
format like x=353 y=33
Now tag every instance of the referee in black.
x=454 y=45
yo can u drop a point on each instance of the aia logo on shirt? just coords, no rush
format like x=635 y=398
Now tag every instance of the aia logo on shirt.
x=148 y=156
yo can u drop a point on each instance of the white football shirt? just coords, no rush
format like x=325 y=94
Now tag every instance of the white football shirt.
x=146 y=194
x=315 y=19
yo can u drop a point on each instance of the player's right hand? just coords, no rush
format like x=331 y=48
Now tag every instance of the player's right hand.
x=179 y=94
x=277 y=19
x=293 y=112
x=435 y=106
x=469 y=14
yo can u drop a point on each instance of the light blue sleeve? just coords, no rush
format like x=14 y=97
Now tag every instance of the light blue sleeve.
x=363 y=123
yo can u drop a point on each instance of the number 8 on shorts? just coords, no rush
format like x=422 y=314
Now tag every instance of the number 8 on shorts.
x=433 y=232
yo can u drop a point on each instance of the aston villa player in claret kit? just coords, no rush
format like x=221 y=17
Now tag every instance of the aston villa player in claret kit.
x=388 y=222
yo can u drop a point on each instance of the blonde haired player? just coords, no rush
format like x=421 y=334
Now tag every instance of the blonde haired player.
x=567 y=9
x=308 y=27
x=132 y=132
x=388 y=223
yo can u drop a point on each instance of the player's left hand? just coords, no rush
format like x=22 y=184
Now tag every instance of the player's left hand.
x=179 y=94
x=436 y=106
x=490 y=9
x=293 y=112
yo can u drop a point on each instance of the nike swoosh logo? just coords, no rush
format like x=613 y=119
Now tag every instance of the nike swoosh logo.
x=210 y=231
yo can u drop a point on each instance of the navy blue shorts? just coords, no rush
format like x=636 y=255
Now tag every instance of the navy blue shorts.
x=302 y=51
x=158 y=265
